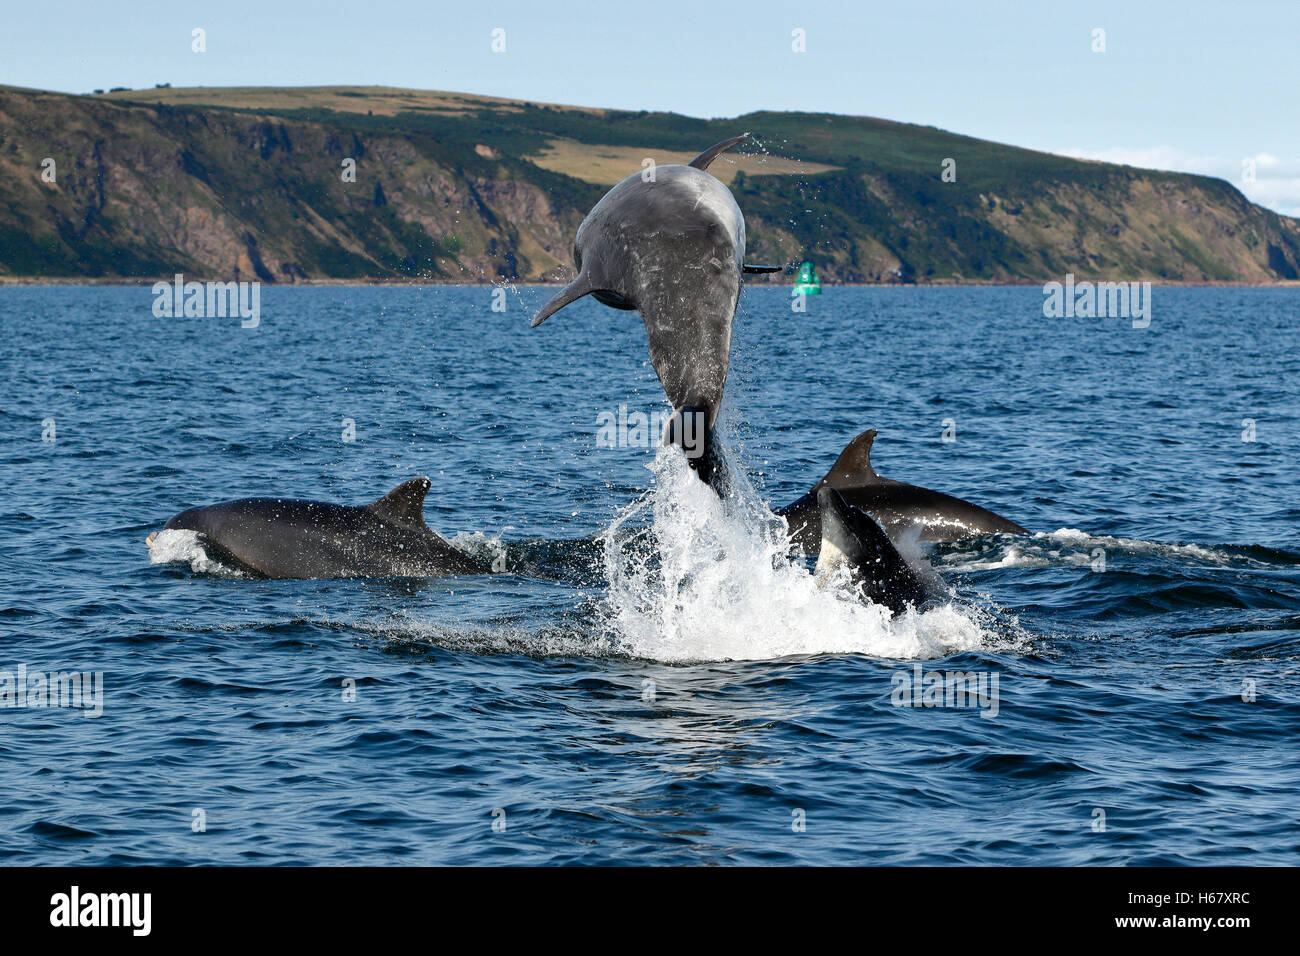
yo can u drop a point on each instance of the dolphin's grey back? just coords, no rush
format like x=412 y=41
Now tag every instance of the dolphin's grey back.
x=899 y=508
x=281 y=538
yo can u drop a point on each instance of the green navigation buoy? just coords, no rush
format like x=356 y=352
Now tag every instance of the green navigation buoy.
x=806 y=283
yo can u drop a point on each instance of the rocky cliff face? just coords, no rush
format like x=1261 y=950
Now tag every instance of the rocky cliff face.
x=148 y=191
x=450 y=191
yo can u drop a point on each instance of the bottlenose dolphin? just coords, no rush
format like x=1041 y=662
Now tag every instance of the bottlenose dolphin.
x=279 y=538
x=670 y=243
x=900 y=508
x=851 y=540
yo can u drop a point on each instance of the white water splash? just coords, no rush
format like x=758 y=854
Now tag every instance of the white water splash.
x=488 y=548
x=178 y=546
x=1015 y=556
x=725 y=588
x=1084 y=540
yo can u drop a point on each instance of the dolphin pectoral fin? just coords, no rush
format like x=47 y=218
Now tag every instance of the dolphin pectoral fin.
x=404 y=505
x=709 y=155
x=757 y=270
x=572 y=292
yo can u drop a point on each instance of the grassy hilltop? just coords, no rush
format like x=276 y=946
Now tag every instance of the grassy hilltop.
x=245 y=183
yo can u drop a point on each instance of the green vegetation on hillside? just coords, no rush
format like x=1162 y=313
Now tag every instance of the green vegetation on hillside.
x=247 y=183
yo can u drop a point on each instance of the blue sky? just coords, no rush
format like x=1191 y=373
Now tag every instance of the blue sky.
x=1192 y=85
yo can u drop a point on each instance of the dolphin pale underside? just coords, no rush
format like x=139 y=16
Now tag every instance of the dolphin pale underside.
x=670 y=243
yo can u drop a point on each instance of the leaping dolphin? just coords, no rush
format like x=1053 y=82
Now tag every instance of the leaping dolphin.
x=852 y=541
x=278 y=538
x=897 y=506
x=669 y=242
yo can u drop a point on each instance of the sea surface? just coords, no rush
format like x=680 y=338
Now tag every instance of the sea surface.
x=651 y=679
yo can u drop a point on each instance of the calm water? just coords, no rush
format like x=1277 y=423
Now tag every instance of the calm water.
x=701 y=704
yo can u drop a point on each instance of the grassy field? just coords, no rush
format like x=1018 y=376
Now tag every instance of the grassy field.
x=381 y=100
x=606 y=165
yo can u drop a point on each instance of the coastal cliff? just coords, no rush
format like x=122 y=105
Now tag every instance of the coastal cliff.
x=371 y=183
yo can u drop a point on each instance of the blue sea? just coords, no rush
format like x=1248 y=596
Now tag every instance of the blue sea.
x=650 y=679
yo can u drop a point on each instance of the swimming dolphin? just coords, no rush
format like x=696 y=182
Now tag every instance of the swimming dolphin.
x=279 y=538
x=899 y=507
x=670 y=242
x=851 y=540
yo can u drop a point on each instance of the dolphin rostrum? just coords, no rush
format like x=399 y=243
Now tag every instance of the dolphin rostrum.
x=669 y=242
x=279 y=538
x=898 y=507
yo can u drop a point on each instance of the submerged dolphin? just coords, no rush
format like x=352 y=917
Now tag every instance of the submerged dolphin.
x=278 y=538
x=670 y=243
x=851 y=540
x=899 y=507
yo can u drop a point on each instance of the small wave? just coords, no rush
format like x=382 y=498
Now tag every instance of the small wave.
x=178 y=546
x=1082 y=539
x=1015 y=556
x=1070 y=546
x=404 y=629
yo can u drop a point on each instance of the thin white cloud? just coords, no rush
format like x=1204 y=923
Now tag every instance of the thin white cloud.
x=1276 y=182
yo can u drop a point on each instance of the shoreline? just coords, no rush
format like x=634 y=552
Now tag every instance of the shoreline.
x=28 y=281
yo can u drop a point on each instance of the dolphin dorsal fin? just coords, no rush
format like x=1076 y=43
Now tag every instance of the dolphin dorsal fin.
x=404 y=504
x=709 y=155
x=572 y=292
x=853 y=468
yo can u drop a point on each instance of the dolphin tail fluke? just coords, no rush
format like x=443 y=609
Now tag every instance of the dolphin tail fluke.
x=572 y=292
x=709 y=155
x=853 y=468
